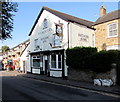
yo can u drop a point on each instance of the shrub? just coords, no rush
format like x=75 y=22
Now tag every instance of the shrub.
x=101 y=61
x=87 y=58
x=76 y=56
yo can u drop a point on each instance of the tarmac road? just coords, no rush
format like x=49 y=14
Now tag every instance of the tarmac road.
x=20 y=88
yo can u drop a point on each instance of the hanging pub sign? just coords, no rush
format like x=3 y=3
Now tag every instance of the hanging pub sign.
x=59 y=30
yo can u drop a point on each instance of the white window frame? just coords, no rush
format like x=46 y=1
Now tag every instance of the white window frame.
x=35 y=57
x=56 y=62
x=54 y=41
x=112 y=30
x=45 y=23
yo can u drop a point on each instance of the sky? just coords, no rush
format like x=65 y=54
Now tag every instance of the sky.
x=28 y=12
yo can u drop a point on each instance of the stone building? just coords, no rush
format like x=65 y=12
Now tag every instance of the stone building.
x=107 y=34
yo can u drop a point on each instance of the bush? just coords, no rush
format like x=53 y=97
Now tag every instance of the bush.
x=101 y=61
x=87 y=58
x=76 y=56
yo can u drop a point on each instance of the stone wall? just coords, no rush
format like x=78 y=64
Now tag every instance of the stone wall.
x=88 y=76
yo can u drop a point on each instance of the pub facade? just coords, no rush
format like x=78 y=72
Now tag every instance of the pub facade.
x=52 y=33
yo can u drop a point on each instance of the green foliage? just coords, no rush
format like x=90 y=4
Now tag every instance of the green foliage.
x=87 y=58
x=8 y=9
x=101 y=61
x=4 y=48
x=76 y=56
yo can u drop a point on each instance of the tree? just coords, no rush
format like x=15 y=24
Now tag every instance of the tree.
x=4 y=48
x=8 y=9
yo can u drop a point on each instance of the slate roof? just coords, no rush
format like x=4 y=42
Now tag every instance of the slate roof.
x=65 y=17
x=108 y=17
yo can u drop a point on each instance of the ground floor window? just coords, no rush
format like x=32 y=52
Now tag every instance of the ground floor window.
x=35 y=61
x=56 y=61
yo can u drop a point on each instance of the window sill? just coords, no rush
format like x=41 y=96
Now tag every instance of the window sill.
x=56 y=69
x=112 y=36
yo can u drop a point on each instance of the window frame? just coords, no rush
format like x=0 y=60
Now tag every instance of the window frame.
x=36 y=57
x=57 y=68
x=111 y=24
x=45 y=23
x=54 y=40
x=36 y=43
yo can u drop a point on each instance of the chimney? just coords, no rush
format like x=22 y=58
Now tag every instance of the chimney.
x=102 y=11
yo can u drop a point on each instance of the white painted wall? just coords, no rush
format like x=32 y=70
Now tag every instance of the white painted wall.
x=36 y=71
x=24 y=57
x=46 y=37
x=56 y=73
x=29 y=64
x=78 y=33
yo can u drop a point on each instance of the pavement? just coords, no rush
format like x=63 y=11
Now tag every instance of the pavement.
x=114 y=90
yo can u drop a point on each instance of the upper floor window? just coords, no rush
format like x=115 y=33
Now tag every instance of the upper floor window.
x=57 y=37
x=45 y=24
x=112 y=30
x=36 y=44
x=56 y=40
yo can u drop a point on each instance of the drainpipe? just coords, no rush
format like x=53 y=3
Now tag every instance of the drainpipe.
x=68 y=33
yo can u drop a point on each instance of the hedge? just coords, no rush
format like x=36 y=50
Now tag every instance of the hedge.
x=101 y=61
x=83 y=58
x=76 y=56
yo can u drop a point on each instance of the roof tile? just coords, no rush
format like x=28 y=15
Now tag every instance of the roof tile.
x=108 y=17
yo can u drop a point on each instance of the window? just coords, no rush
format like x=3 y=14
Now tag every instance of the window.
x=112 y=30
x=59 y=61
x=45 y=24
x=36 y=44
x=56 y=61
x=36 y=61
x=56 y=40
x=53 y=61
x=57 y=37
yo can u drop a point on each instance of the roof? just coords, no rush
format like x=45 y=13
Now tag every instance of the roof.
x=65 y=17
x=108 y=17
x=24 y=49
x=21 y=44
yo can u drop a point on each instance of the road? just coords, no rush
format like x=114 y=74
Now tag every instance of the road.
x=20 y=88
